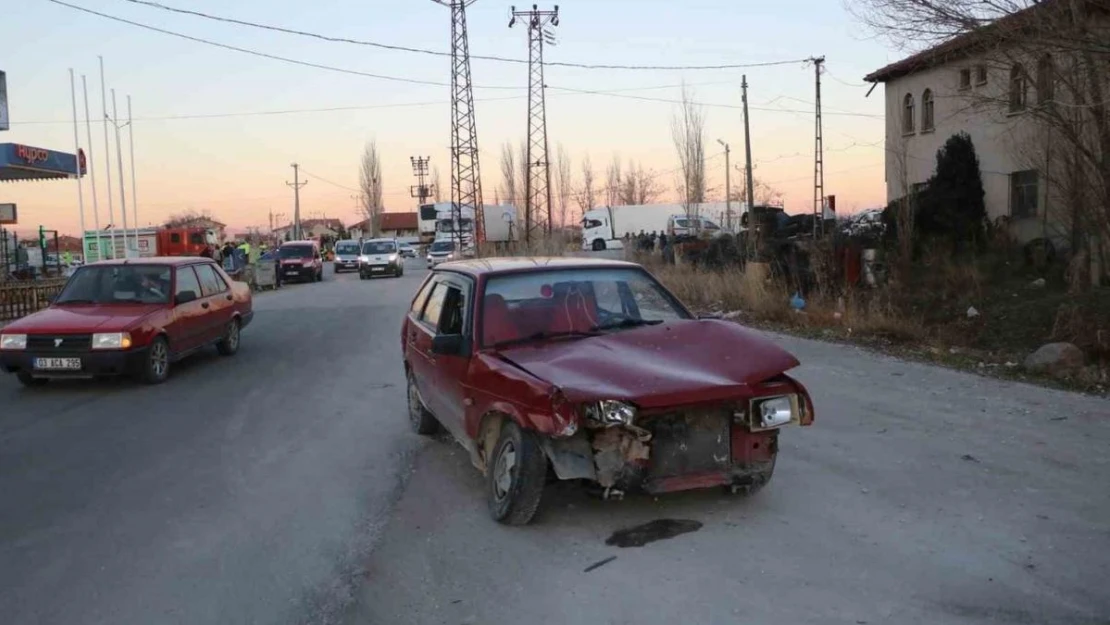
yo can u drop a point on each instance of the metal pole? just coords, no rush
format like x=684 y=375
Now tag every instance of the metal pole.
x=91 y=168
x=119 y=160
x=728 y=190
x=134 y=194
x=108 y=162
x=748 y=154
x=77 y=163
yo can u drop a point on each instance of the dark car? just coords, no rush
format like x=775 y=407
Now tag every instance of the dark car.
x=300 y=260
x=128 y=317
x=594 y=369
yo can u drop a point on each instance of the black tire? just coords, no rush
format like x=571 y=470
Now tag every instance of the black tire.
x=423 y=422
x=156 y=365
x=229 y=345
x=30 y=381
x=515 y=482
x=598 y=245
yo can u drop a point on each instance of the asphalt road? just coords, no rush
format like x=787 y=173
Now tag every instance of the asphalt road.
x=282 y=486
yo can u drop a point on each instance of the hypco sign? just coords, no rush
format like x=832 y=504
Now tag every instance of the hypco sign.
x=31 y=155
x=8 y=214
x=4 y=121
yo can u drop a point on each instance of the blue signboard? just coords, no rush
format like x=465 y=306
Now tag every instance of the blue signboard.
x=24 y=162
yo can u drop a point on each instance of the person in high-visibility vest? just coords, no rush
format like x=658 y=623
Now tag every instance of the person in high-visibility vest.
x=68 y=258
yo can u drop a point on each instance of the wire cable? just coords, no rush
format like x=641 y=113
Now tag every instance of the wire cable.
x=502 y=59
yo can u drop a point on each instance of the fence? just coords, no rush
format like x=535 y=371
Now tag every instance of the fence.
x=19 y=299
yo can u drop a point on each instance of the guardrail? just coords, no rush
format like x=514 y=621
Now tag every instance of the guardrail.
x=19 y=299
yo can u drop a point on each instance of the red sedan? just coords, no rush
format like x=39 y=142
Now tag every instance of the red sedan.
x=128 y=317
x=594 y=369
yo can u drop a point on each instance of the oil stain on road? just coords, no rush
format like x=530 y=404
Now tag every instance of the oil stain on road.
x=649 y=532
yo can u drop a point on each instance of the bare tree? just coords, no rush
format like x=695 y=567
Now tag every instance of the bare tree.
x=586 y=195
x=189 y=216
x=613 y=181
x=1054 y=54
x=437 y=189
x=563 y=186
x=688 y=134
x=638 y=185
x=370 y=186
x=510 y=175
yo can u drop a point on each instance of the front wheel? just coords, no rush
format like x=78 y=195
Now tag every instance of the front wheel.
x=599 y=245
x=516 y=475
x=156 y=365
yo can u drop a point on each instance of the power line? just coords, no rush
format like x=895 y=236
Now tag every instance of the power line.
x=326 y=181
x=266 y=55
x=709 y=104
x=501 y=59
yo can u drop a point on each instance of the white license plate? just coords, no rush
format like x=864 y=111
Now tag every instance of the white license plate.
x=377 y=269
x=290 y=271
x=58 y=364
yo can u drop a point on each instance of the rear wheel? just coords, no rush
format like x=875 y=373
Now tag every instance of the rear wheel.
x=516 y=475
x=30 y=381
x=156 y=366
x=230 y=343
x=422 y=420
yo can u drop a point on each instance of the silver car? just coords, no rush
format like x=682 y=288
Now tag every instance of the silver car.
x=346 y=256
x=441 y=251
x=380 y=257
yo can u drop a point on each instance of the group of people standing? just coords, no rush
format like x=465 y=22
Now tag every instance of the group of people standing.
x=647 y=242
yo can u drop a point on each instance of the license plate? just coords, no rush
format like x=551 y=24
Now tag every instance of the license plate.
x=290 y=271
x=377 y=269
x=58 y=364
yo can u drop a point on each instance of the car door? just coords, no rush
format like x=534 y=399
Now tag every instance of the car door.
x=218 y=303
x=188 y=316
x=423 y=361
x=449 y=370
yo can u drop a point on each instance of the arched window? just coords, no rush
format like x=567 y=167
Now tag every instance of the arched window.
x=927 y=110
x=1019 y=88
x=1046 y=79
x=907 y=114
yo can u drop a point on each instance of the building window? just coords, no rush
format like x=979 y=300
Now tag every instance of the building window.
x=981 y=74
x=927 y=111
x=1046 y=78
x=1023 y=193
x=965 y=78
x=1019 y=88
x=907 y=114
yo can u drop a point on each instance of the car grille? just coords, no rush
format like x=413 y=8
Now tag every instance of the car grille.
x=69 y=343
x=689 y=442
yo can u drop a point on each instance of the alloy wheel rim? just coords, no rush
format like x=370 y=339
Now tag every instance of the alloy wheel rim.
x=158 y=359
x=233 y=335
x=503 y=472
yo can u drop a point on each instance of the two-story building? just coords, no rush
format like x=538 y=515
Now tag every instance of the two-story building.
x=997 y=84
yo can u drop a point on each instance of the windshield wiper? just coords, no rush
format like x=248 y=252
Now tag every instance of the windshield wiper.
x=542 y=336
x=626 y=323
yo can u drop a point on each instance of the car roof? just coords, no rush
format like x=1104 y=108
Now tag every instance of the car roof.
x=172 y=261
x=299 y=243
x=380 y=240
x=527 y=264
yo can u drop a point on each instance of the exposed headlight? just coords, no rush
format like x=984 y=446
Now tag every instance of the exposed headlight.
x=111 y=340
x=772 y=412
x=610 y=412
x=13 y=341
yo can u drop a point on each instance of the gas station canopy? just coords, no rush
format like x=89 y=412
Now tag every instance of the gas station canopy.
x=24 y=162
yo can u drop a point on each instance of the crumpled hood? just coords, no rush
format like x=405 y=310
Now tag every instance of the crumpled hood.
x=83 y=319
x=673 y=363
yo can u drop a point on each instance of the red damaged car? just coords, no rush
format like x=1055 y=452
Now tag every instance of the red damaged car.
x=594 y=369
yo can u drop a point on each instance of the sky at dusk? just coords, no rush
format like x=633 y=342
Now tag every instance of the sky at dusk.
x=216 y=130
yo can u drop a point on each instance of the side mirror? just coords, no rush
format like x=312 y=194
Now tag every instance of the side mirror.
x=450 y=345
x=185 y=297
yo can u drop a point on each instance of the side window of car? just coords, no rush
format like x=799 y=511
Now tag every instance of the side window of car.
x=434 y=308
x=187 y=281
x=421 y=296
x=452 y=319
x=210 y=282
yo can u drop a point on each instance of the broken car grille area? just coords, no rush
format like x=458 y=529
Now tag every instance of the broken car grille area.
x=688 y=443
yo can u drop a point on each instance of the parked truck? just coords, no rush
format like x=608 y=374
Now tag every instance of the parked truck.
x=605 y=228
x=149 y=242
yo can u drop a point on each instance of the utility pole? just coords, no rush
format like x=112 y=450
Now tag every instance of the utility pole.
x=818 y=157
x=296 y=184
x=420 y=169
x=537 y=186
x=748 y=154
x=466 y=178
x=728 y=188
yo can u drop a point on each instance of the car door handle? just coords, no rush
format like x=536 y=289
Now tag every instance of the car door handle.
x=204 y=305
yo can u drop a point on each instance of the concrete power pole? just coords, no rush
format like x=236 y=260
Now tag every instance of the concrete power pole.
x=466 y=177
x=296 y=184
x=818 y=158
x=728 y=187
x=537 y=186
x=748 y=154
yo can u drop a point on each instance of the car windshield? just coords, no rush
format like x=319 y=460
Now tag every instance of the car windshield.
x=118 y=284
x=379 y=247
x=443 y=246
x=346 y=248
x=579 y=302
x=295 y=251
